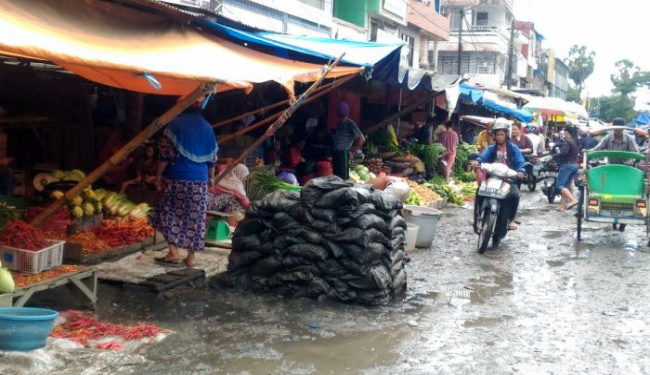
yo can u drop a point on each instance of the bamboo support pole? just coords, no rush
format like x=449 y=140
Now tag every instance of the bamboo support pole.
x=325 y=90
x=401 y=113
x=127 y=149
x=279 y=104
x=281 y=120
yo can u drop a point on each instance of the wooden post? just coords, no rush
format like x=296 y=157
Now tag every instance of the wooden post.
x=278 y=104
x=281 y=120
x=129 y=147
x=401 y=113
x=321 y=91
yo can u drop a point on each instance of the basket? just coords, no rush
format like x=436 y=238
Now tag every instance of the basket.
x=33 y=261
x=24 y=328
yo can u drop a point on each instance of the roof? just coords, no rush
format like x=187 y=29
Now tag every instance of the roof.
x=137 y=45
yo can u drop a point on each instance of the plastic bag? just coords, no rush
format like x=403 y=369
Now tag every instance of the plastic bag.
x=237 y=260
x=310 y=251
x=325 y=214
x=317 y=187
x=384 y=201
x=369 y=221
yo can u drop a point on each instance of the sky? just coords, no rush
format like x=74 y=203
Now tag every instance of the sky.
x=615 y=30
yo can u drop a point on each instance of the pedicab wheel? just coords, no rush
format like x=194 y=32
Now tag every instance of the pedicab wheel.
x=531 y=182
x=580 y=212
x=487 y=223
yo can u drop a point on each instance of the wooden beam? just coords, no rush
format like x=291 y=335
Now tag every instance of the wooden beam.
x=403 y=112
x=281 y=120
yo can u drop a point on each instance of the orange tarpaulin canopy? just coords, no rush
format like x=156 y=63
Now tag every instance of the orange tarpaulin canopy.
x=116 y=45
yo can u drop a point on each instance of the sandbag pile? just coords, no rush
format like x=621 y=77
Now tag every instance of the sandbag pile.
x=333 y=240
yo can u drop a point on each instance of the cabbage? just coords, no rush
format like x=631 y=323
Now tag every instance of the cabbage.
x=6 y=281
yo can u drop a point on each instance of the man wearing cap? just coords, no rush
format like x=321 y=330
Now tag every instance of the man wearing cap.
x=618 y=141
x=347 y=140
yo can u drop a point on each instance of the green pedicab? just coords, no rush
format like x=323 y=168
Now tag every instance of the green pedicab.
x=613 y=193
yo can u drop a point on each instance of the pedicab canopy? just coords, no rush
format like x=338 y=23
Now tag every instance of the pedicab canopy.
x=135 y=48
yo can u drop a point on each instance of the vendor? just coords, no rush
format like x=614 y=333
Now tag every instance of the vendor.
x=347 y=140
x=229 y=195
x=423 y=132
x=484 y=138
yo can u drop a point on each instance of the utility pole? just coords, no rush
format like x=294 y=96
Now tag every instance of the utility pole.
x=460 y=38
x=510 y=54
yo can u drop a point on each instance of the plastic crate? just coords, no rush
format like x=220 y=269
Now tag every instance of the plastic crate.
x=33 y=261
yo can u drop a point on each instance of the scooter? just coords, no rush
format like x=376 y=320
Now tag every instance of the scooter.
x=548 y=175
x=490 y=219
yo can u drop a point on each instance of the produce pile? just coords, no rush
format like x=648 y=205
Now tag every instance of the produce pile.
x=334 y=240
x=7 y=284
x=361 y=174
x=429 y=154
x=21 y=235
x=125 y=232
x=110 y=234
x=82 y=328
x=58 y=221
x=462 y=154
x=263 y=183
x=421 y=195
x=25 y=279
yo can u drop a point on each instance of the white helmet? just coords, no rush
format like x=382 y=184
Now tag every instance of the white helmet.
x=501 y=124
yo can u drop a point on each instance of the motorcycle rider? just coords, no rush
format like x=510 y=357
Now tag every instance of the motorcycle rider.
x=504 y=152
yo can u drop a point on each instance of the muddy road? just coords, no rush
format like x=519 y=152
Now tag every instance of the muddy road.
x=541 y=304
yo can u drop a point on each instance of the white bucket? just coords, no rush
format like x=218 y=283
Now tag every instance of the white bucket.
x=426 y=219
x=411 y=236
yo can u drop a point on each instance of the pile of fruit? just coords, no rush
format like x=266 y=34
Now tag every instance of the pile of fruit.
x=375 y=165
x=120 y=206
x=85 y=204
x=361 y=174
x=426 y=195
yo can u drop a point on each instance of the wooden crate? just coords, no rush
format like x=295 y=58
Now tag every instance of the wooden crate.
x=73 y=253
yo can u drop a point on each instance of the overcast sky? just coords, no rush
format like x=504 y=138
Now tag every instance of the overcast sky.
x=615 y=30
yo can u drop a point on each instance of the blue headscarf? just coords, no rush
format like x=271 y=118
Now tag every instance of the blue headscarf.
x=193 y=137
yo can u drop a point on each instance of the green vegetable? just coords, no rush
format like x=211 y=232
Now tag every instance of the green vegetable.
x=462 y=153
x=263 y=183
x=7 y=284
x=429 y=154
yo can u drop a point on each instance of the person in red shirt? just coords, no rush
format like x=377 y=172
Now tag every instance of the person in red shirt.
x=449 y=139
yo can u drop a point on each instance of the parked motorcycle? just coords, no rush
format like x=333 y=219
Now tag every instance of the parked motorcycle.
x=532 y=175
x=490 y=219
x=548 y=174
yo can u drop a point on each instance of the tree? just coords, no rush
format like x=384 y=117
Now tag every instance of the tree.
x=573 y=95
x=628 y=78
x=614 y=106
x=581 y=65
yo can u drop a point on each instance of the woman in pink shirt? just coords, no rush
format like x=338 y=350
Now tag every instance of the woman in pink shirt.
x=449 y=139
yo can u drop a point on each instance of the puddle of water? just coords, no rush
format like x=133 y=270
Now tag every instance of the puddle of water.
x=486 y=322
x=342 y=354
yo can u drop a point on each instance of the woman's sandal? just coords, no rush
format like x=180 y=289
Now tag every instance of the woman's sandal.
x=167 y=262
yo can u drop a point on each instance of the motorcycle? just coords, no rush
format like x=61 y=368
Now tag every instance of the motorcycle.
x=548 y=175
x=490 y=219
x=532 y=175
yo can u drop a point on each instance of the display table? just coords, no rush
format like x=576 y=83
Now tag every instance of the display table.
x=84 y=279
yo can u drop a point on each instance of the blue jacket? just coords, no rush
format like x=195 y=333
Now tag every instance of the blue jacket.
x=515 y=157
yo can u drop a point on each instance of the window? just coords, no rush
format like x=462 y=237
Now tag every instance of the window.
x=454 y=14
x=481 y=19
x=320 y=4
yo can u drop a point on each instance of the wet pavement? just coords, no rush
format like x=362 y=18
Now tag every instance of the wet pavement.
x=540 y=304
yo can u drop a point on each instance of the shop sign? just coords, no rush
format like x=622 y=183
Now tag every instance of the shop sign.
x=397 y=7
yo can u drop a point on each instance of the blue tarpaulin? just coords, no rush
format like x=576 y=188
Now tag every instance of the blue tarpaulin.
x=469 y=93
x=643 y=119
x=520 y=114
x=381 y=60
